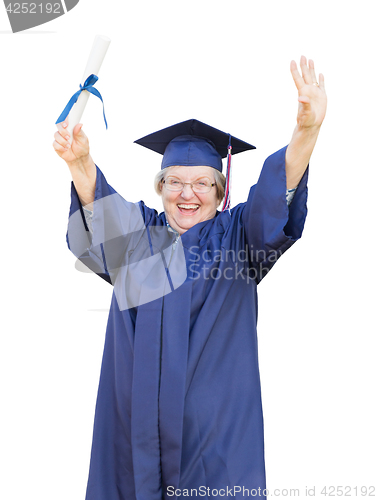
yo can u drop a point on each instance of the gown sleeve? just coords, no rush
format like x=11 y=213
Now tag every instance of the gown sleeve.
x=116 y=226
x=271 y=225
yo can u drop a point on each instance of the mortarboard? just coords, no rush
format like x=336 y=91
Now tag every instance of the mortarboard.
x=193 y=143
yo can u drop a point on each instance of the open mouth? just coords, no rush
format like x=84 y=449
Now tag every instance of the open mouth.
x=188 y=209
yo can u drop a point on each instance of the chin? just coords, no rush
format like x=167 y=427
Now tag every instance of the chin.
x=187 y=224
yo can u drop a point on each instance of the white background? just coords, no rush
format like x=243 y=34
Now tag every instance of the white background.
x=227 y=64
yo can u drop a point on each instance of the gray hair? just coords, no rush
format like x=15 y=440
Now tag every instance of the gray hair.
x=219 y=179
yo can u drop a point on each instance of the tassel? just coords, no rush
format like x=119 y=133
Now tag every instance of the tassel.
x=226 y=203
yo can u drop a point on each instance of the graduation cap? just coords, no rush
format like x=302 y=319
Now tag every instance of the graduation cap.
x=193 y=143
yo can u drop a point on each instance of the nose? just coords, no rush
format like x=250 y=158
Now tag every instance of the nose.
x=187 y=192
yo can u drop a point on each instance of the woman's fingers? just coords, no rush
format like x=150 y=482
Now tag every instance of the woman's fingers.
x=62 y=131
x=312 y=71
x=63 y=141
x=299 y=81
x=77 y=129
x=62 y=136
x=80 y=139
x=321 y=81
x=305 y=71
x=308 y=74
x=78 y=135
x=62 y=126
x=304 y=99
x=67 y=148
x=58 y=147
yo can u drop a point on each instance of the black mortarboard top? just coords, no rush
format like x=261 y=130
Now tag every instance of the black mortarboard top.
x=194 y=143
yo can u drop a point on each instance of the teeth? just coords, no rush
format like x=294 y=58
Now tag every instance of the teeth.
x=188 y=206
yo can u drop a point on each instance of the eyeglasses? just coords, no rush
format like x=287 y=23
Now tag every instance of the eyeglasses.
x=202 y=186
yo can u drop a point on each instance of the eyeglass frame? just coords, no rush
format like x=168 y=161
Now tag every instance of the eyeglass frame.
x=192 y=188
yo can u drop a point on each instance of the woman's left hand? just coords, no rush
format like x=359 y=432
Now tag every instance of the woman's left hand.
x=312 y=98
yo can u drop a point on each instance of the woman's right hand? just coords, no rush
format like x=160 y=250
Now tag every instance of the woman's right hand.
x=75 y=153
x=78 y=159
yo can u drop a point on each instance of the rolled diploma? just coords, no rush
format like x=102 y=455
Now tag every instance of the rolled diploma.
x=96 y=57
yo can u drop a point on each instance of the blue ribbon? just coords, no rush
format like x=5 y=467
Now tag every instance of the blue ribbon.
x=88 y=85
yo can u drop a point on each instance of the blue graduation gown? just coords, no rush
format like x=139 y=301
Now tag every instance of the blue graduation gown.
x=179 y=399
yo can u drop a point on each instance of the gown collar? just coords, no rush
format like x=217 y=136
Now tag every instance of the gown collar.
x=199 y=233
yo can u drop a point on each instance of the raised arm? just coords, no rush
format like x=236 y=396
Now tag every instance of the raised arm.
x=311 y=113
x=78 y=159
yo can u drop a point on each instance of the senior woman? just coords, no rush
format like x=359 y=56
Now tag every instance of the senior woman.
x=179 y=405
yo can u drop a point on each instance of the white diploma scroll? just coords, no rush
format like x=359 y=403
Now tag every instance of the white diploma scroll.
x=96 y=57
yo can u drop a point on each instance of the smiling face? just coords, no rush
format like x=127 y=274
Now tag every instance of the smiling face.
x=184 y=209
